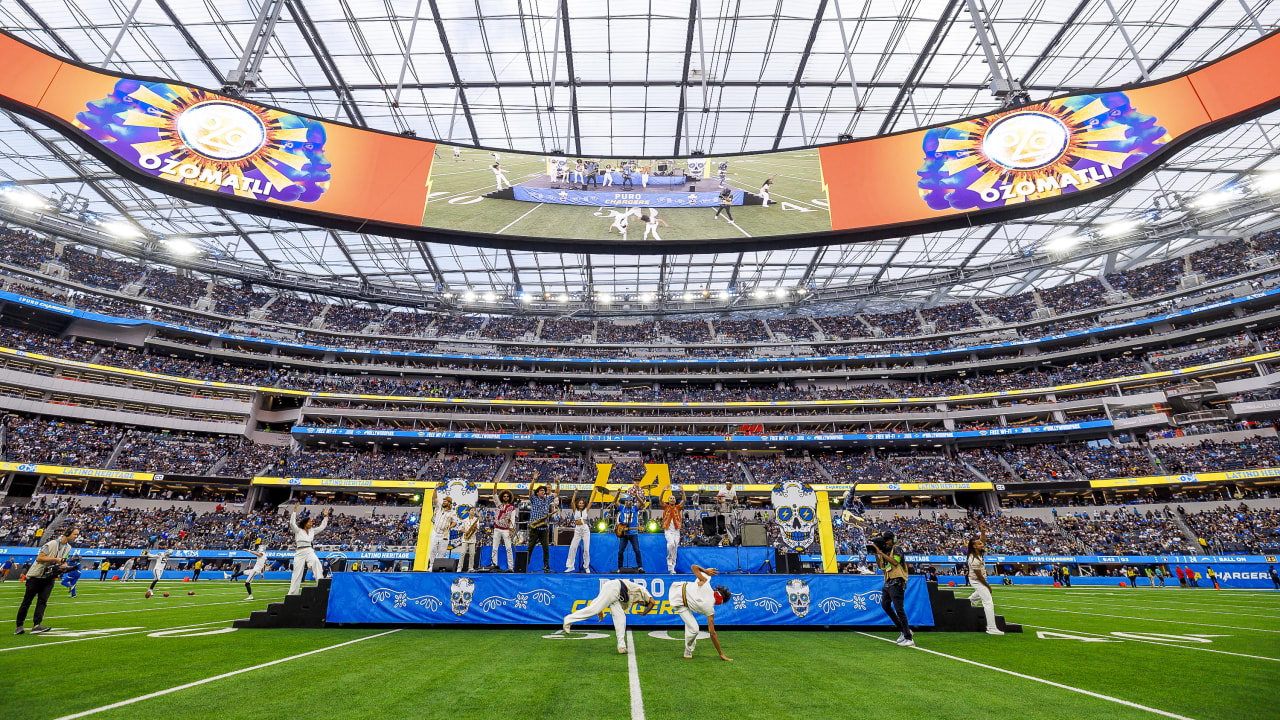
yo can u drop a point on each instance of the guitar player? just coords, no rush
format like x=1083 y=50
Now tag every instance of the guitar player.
x=541 y=513
x=628 y=530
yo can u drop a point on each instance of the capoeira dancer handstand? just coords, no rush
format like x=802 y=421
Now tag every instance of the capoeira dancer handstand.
x=620 y=218
x=615 y=597
x=699 y=597
x=651 y=223
x=304 y=557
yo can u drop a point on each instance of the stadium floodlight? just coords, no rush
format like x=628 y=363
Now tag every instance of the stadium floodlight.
x=469 y=295
x=760 y=293
x=1062 y=244
x=690 y=297
x=181 y=246
x=526 y=298
x=490 y=296
x=26 y=199
x=564 y=298
x=780 y=292
x=1119 y=228
x=1267 y=182
x=647 y=298
x=725 y=295
x=604 y=298
x=1212 y=200
x=122 y=229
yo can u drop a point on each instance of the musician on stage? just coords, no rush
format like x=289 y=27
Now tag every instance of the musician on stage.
x=541 y=509
x=628 y=530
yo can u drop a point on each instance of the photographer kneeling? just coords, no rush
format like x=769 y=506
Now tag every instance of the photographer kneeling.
x=894 y=566
x=50 y=563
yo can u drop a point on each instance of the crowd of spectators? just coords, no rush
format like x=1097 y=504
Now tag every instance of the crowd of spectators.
x=690 y=331
x=1078 y=295
x=1038 y=463
x=387 y=464
x=856 y=466
x=351 y=318
x=1097 y=461
x=544 y=470
x=952 y=316
x=56 y=442
x=246 y=458
x=930 y=467
x=317 y=463
x=774 y=469
x=1214 y=456
x=1154 y=279
x=900 y=323
x=237 y=302
x=842 y=327
x=741 y=330
x=644 y=332
x=170 y=453
x=1242 y=529
x=1011 y=308
x=566 y=329
x=293 y=310
x=702 y=470
x=98 y=270
x=794 y=327
x=1121 y=532
x=173 y=288
x=477 y=468
x=507 y=328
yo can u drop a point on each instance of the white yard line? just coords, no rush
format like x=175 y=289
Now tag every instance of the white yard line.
x=637 y=701
x=744 y=232
x=1043 y=681
x=513 y=222
x=1148 y=607
x=1155 y=642
x=241 y=601
x=1130 y=617
x=104 y=637
x=223 y=676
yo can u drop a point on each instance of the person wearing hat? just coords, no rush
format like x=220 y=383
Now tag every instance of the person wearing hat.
x=541 y=507
x=628 y=515
x=699 y=597
x=894 y=565
x=615 y=596
x=504 y=525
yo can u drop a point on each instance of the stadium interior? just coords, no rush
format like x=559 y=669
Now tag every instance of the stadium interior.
x=1093 y=388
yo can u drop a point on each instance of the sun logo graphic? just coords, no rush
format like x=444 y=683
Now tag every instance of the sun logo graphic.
x=214 y=143
x=1042 y=150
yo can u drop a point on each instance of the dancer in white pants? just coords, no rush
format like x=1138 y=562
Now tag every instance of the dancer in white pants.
x=651 y=223
x=615 y=596
x=620 y=219
x=157 y=569
x=259 y=567
x=672 y=519
x=608 y=176
x=504 y=526
x=581 y=535
x=978 y=579
x=443 y=520
x=499 y=176
x=699 y=597
x=764 y=190
x=304 y=557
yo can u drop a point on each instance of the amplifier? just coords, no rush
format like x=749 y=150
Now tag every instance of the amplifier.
x=755 y=534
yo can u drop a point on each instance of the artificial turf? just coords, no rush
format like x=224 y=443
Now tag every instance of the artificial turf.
x=1184 y=653
x=458 y=188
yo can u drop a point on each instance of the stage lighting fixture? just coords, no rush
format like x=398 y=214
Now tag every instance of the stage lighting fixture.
x=653 y=526
x=602 y=526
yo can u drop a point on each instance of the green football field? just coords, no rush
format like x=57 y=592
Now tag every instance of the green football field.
x=1085 y=653
x=458 y=187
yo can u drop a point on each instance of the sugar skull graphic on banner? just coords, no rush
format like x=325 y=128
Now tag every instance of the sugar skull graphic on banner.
x=795 y=508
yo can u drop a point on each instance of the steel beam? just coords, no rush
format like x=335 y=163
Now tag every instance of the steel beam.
x=804 y=61
x=311 y=34
x=926 y=54
x=453 y=69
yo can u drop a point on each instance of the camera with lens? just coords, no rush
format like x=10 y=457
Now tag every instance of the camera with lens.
x=880 y=541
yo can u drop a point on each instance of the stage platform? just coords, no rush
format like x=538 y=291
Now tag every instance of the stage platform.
x=406 y=599
x=665 y=194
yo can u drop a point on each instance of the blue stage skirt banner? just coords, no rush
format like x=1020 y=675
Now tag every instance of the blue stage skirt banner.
x=483 y=599
x=594 y=198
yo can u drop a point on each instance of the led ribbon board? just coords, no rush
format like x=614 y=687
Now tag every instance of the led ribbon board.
x=229 y=152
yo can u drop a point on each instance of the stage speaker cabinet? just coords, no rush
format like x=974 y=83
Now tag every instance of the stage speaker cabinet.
x=755 y=534
x=444 y=565
x=789 y=563
x=564 y=536
x=713 y=525
x=693 y=187
x=522 y=561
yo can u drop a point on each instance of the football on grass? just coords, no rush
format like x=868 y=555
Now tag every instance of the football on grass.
x=191 y=592
x=166 y=594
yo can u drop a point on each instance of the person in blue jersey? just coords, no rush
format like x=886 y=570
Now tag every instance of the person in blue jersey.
x=72 y=576
x=629 y=531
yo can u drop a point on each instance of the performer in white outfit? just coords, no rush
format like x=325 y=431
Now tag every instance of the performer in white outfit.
x=699 y=597
x=457 y=154
x=616 y=596
x=978 y=578
x=581 y=535
x=651 y=223
x=644 y=175
x=304 y=557
x=157 y=569
x=672 y=519
x=470 y=530
x=499 y=176
x=764 y=190
x=504 y=527
x=259 y=567
x=443 y=520
x=608 y=176
x=620 y=219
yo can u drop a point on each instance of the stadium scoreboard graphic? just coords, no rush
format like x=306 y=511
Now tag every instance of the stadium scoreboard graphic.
x=206 y=147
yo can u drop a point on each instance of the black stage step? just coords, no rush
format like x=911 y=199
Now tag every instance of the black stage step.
x=953 y=614
x=304 y=610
